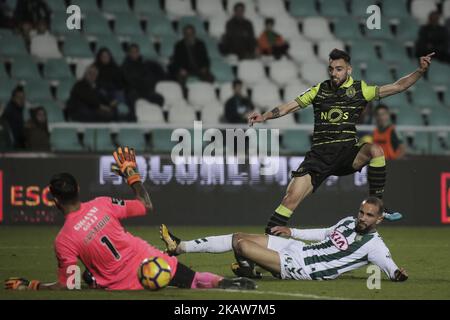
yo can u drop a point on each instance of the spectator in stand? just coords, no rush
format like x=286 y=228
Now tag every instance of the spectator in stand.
x=239 y=37
x=110 y=80
x=37 y=136
x=433 y=38
x=87 y=104
x=238 y=106
x=190 y=58
x=6 y=15
x=28 y=13
x=385 y=136
x=13 y=117
x=270 y=42
x=42 y=43
x=141 y=77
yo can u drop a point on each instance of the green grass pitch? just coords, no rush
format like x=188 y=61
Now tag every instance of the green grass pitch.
x=424 y=252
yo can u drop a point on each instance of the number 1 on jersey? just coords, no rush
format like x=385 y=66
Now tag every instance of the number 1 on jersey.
x=105 y=240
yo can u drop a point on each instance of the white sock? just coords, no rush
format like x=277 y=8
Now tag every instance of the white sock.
x=216 y=244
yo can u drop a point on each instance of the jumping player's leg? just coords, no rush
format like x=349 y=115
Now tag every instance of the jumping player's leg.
x=298 y=189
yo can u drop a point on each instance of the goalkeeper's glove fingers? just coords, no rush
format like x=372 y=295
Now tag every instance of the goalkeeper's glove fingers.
x=126 y=163
x=15 y=283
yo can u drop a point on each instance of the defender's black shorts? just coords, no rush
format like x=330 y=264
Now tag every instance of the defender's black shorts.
x=328 y=160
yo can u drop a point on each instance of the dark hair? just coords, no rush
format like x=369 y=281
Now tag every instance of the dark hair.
x=133 y=45
x=337 y=54
x=238 y=4
x=376 y=202
x=17 y=90
x=269 y=21
x=381 y=107
x=100 y=52
x=189 y=26
x=237 y=82
x=64 y=187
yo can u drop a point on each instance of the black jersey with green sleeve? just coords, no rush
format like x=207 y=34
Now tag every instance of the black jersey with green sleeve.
x=336 y=111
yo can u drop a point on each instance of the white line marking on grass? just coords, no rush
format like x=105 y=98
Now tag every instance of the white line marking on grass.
x=277 y=293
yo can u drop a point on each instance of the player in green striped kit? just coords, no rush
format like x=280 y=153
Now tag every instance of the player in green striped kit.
x=346 y=246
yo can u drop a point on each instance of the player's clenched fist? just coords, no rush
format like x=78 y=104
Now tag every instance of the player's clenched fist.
x=21 y=284
x=254 y=117
x=125 y=165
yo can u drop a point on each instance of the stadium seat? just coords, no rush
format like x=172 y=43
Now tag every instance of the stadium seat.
x=212 y=115
x=420 y=9
x=113 y=44
x=357 y=73
x=307 y=115
x=363 y=51
x=251 y=71
x=393 y=52
x=196 y=22
x=394 y=9
x=59 y=24
x=221 y=70
x=295 y=141
x=98 y=139
x=217 y=25
x=313 y=73
x=347 y=29
x=266 y=96
x=201 y=94
x=3 y=74
x=384 y=33
x=283 y=72
x=24 y=68
x=63 y=89
x=358 y=8
x=439 y=116
x=378 y=74
x=115 y=6
x=44 y=47
x=54 y=112
x=210 y=8
x=294 y=89
x=212 y=46
x=326 y=46
x=440 y=143
x=418 y=143
x=65 y=139
x=179 y=8
x=146 y=46
x=56 y=5
x=167 y=46
x=317 y=28
x=304 y=8
x=407 y=30
x=250 y=8
x=86 y=6
x=37 y=90
x=76 y=46
x=258 y=24
x=15 y=47
x=147 y=7
x=132 y=137
x=6 y=87
x=287 y=27
x=171 y=91
x=182 y=115
x=439 y=74
x=283 y=122
x=411 y=118
x=161 y=140
x=95 y=24
x=302 y=51
x=226 y=91
x=424 y=96
x=333 y=8
x=397 y=102
x=126 y=24
x=159 y=26
x=148 y=112
x=446 y=9
x=271 y=8
x=404 y=67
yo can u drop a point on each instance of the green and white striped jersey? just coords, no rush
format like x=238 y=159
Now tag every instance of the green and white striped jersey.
x=342 y=249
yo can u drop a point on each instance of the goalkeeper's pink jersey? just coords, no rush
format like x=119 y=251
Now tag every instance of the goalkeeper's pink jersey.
x=95 y=235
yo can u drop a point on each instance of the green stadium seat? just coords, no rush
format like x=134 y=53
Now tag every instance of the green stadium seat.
x=347 y=29
x=57 y=69
x=221 y=70
x=167 y=46
x=161 y=140
x=397 y=102
x=439 y=116
x=424 y=96
x=296 y=141
x=127 y=24
x=24 y=68
x=76 y=46
x=15 y=47
x=37 y=90
x=439 y=74
x=54 y=112
x=357 y=73
x=394 y=9
x=363 y=51
x=65 y=139
x=212 y=46
x=3 y=74
x=440 y=143
x=333 y=8
x=160 y=26
x=145 y=45
x=132 y=137
x=393 y=52
x=95 y=24
x=56 y=5
x=59 y=24
x=304 y=8
x=447 y=99
x=404 y=67
x=384 y=33
x=147 y=7
x=407 y=30
x=5 y=33
x=419 y=143
x=112 y=43
x=98 y=140
x=115 y=6
x=378 y=74
x=196 y=22
x=358 y=7
x=6 y=88
x=86 y=6
x=64 y=88
x=411 y=118
x=307 y=116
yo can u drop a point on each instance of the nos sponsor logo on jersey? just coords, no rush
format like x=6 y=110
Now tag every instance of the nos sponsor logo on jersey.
x=339 y=240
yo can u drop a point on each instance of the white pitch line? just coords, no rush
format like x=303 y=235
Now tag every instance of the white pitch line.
x=277 y=293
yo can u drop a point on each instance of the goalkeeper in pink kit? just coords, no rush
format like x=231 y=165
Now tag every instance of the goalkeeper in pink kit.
x=92 y=232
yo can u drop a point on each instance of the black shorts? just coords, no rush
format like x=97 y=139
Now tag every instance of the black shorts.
x=328 y=160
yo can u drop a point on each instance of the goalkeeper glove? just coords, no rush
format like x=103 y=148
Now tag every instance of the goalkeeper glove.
x=15 y=283
x=125 y=165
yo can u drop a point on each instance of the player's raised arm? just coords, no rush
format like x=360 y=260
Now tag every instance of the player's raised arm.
x=127 y=168
x=407 y=81
x=276 y=112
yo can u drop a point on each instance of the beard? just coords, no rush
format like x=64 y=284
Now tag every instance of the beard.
x=361 y=227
